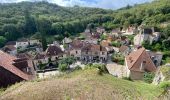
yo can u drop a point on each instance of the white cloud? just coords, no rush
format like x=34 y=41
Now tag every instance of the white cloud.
x=108 y=4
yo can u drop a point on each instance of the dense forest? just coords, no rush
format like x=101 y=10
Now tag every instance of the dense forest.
x=27 y=19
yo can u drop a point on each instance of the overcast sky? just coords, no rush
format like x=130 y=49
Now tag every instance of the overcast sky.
x=108 y=4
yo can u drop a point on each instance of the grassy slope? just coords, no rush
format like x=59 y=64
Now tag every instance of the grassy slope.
x=166 y=72
x=82 y=85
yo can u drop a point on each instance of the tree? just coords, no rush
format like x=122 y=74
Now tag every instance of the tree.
x=2 y=41
x=57 y=28
x=43 y=25
x=30 y=26
x=44 y=42
x=166 y=44
x=11 y=32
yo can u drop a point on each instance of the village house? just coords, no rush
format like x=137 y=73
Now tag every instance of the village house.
x=10 y=48
x=22 y=43
x=107 y=45
x=124 y=50
x=66 y=42
x=146 y=34
x=100 y=30
x=52 y=53
x=116 y=33
x=138 y=62
x=75 y=48
x=91 y=40
x=14 y=69
x=131 y=30
x=34 y=42
x=93 y=52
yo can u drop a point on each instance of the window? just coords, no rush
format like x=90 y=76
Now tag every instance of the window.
x=86 y=52
x=103 y=53
x=76 y=52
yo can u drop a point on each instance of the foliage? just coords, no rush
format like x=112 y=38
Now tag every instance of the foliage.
x=41 y=66
x=65 y=62
x=102 y=69
x=2 y=41
x=63 y=67
x=165 y=85
x=44 y=42
x=17 y=21
x=148 y=77
x=118 y=58
x=116 y=44
x=27 y=18
x=165 y=71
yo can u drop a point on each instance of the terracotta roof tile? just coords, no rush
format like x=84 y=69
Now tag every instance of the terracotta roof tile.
x=138 y=58
x=6 y=61
x=123 y=48
x=53 y=51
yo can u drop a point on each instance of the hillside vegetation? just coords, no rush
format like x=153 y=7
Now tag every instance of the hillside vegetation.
x=25 y=19
x=83 y=85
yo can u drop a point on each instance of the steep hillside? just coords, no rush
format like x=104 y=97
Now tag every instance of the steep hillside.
x=82 y=85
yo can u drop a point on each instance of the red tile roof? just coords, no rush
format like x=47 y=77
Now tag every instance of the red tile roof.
x=138 y=58
x=123 y=48
x=76 y=44
x=93 y=47
x=53 y=51
x=6 y=61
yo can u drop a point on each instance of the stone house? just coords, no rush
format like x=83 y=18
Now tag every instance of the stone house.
x=10 y=48
x=147 y=34
x=22 y=43
x=124 y=50
x=91 y=40
x=34 y=42
x=93 y=52
x=66 y=41
x=52 y=53
x=138 y=62
x=131 y=30
x=75 y=48
x=116 y=33
x=14 y=69
x=100 y=30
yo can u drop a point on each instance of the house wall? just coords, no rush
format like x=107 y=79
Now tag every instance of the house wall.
x=103 y=55
x=75 y=53
x=37 y=62
x=33 y=42
x=136 y=75
x=7 y=78
x=22 y=45
x=14 y=52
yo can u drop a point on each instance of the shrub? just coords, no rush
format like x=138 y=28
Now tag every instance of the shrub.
x=78 y=68
x=165 y=85
x=148 y=77
x=63 y=67
x=101 y=68
x=118 y=58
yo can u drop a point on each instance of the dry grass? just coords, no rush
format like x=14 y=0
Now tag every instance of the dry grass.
x=81 y=85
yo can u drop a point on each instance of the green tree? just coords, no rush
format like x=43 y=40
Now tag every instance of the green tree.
x=43 y=25
x=30 y=26
x=11 y=32
x=57 y=28
x=44 y=42
x=2 y=41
